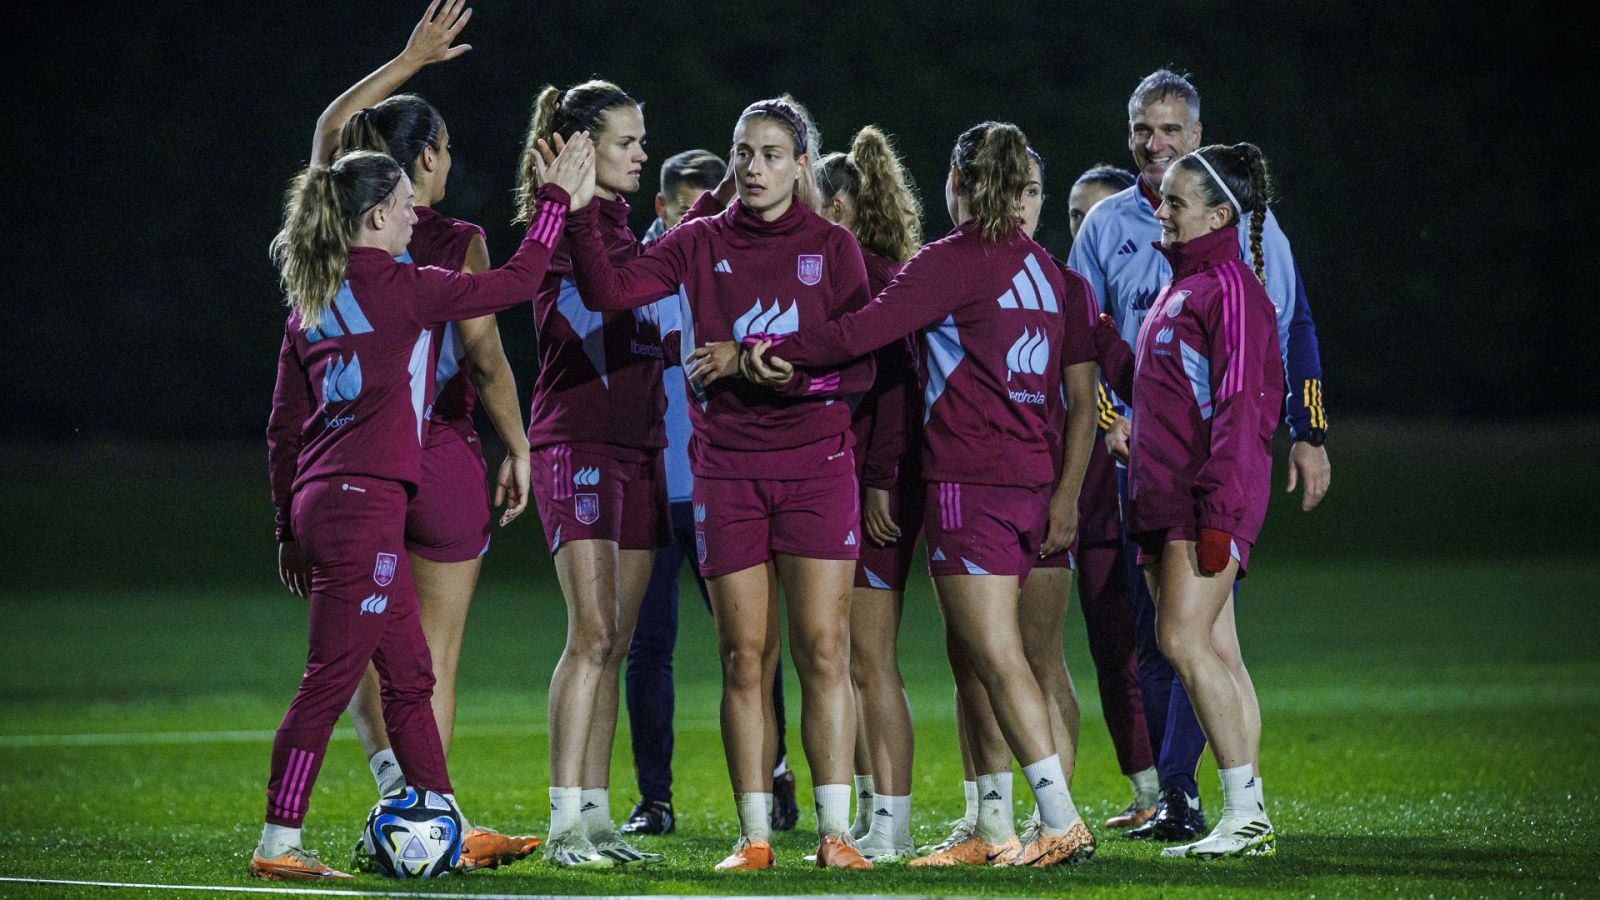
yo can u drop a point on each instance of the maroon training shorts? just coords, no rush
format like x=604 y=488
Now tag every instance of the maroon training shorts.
x=984 y=529
x=447 y=519
x=608 y=494
x=741 y=522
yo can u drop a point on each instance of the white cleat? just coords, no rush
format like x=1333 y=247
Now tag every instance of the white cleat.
x=574 y=851
x=611 y=845
x=1233 y=836
x=880 y=854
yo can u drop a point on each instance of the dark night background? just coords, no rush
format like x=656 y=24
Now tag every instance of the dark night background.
x=1414 y=149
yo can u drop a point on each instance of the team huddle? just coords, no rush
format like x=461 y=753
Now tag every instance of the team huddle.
x=845 y=392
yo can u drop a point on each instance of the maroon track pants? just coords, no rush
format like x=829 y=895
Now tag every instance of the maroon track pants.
x=1108 y=616
x=351 y=530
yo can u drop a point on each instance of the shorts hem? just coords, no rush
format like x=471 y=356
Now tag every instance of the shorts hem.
x=719 y=571
x=448 y=554
x=812 y=553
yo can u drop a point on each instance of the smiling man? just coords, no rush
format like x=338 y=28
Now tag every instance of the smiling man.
x=1115 y=251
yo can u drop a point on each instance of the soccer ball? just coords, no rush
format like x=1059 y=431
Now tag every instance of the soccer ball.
x=413 y=834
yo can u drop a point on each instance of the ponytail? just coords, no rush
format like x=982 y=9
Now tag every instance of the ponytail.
x=582 y=107
x=401 y=126
x=321 y=212
x=1246 y=187
x=888 y=214
x=992 y=159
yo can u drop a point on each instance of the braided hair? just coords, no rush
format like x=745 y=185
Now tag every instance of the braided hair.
x=1243 y=170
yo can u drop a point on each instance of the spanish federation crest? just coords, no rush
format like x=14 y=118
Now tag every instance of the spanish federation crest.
x=586 y=507
x=809 y=268
x=700 y=546
x=383 y=569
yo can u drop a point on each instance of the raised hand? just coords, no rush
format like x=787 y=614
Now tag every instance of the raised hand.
x=432 y=38
x=570 y=165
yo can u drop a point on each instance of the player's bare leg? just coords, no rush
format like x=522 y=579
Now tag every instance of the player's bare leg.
x=633 y=578
x=884 y=721
x=818 y=593
x=745 y=607
x=1189 y=605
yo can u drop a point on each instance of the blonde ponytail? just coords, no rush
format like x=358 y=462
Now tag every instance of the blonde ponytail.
x=321 y=212
x=992 y=159
x=888 y=214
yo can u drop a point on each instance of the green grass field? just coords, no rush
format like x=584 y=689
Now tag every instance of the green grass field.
x=1423 y=647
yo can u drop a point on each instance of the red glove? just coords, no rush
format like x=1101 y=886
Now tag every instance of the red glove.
x=1215 y=550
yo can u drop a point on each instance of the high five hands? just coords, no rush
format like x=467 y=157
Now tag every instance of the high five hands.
x=570 y=166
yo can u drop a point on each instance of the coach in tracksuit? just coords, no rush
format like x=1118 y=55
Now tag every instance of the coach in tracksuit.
x=1114 y=251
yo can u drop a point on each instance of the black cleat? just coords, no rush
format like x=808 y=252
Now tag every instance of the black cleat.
x=651 y=817
x=1178 y=818
x=785 y=810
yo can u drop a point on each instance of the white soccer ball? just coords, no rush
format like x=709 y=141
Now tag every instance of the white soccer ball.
x=413 y=834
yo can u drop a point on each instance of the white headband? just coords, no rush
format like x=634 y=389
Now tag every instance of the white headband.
x=1237 y=209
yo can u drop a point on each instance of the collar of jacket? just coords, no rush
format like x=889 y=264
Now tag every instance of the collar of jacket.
x=746 y=220
x=1204 y=252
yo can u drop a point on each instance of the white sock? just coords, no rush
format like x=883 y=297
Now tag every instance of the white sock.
x=970 y=789
x=1261 y=796
x=465 y=825
x=833 y=808
x=1238 y=794
x=565 y=816
x=594 y=808
x=386 y=772
x=755 y=816
x=891 y=821
x=996 y=820
x=1056 y=810
x=780 y=768
x=864 y=805
x=1146 y=787
x=277 y=839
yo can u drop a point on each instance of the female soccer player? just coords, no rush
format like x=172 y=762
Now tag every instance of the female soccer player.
x=344 y=446
x=1206 y=385
x=447 y=519
x=775 y=488
x=599 y=479
x=996 y=348
x=1045 y=595
x=868 y=191
x=1094 y=185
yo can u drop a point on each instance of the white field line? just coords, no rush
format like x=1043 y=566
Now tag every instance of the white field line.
x=326 y=892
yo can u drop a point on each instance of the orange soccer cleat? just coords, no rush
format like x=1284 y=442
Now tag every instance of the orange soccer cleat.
x=296 y=865
x=840 y=852
x=969 y=852
x=748 y=856
x=485 y=848
x=1076 y=845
